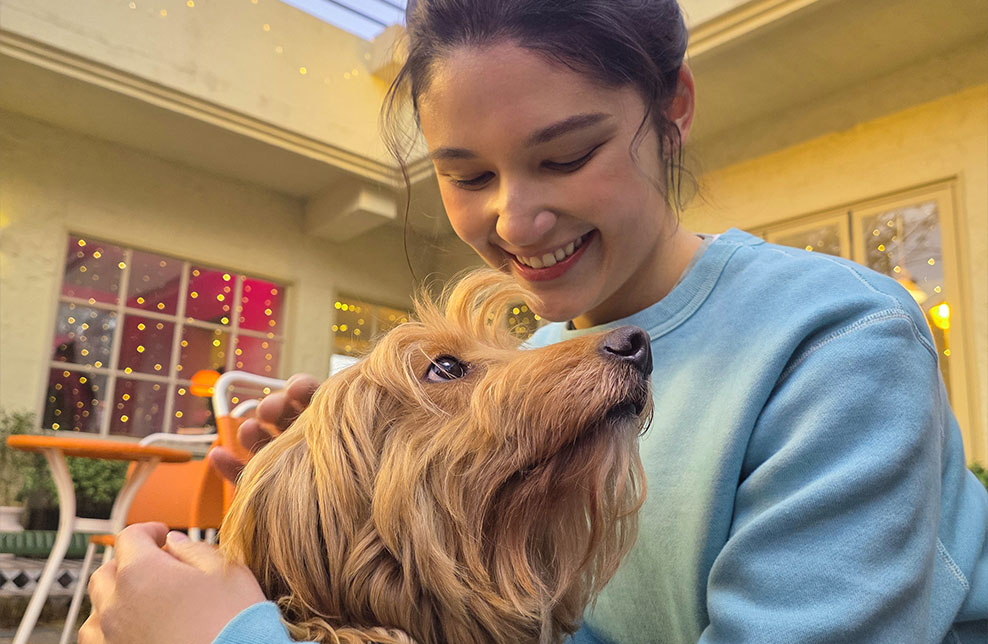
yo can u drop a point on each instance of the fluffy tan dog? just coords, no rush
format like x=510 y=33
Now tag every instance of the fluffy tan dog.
x=450 y=487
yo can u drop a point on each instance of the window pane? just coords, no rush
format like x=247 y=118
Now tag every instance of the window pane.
x=153 y=282
x=210 y=295
x=83 y=335
x=522 y=321
x=146 y=345
x=905 y=244
x=139 y=407
x=203 y=349
x=74 y=400
x=260 y=306
x=92 y=270
x=824 y=238
x=190 y=411
x=354 y=327
x=258 y=355
x=388 y=318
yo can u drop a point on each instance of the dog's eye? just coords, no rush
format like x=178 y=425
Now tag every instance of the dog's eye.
x=446 y=368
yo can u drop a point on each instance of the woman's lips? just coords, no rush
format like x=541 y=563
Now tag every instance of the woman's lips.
x=558 y=269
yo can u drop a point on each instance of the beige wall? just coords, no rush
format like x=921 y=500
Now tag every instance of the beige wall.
x=219 y=52
x=943 y=139
x=54 y=182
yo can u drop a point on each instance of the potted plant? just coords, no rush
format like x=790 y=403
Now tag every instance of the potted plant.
x=12 y=463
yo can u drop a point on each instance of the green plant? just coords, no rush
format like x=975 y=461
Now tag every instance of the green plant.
x=980 y=472
x=96 y=484
x=13 y=462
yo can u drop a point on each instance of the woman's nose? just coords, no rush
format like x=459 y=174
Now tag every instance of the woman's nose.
x=521 y=221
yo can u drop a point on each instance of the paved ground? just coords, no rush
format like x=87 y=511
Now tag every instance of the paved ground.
x=43 y=634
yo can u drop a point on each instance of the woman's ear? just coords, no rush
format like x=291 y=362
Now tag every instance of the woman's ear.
x=680 y=111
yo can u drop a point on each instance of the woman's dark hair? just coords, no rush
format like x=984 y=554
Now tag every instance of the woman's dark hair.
x=618 y=43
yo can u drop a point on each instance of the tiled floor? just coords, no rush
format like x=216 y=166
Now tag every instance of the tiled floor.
x=18 y=577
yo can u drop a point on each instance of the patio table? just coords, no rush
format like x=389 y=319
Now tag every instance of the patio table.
x=55 y=449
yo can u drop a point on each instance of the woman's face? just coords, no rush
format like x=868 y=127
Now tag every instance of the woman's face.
x=535 y=173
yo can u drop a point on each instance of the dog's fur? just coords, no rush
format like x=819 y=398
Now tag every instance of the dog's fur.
x=487 y=509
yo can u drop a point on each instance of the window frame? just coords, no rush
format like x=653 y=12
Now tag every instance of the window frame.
x=172 y=381
x=963 y=372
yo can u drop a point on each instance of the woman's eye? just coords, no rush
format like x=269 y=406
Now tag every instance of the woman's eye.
x=570 y=166
x=474 y=183
x=446 y=368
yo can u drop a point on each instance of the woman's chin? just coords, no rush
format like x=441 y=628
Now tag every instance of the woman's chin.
x=558 y=312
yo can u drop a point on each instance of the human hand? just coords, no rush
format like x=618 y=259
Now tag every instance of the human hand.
x=271 y=417
x=160 y=590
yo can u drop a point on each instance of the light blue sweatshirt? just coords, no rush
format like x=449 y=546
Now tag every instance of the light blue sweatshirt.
x=806 y=477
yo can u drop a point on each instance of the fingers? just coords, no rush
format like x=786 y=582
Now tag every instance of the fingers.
x=139 y=540
x=255 y=434
x=226 y=463
x=197 y=554
x=90 y=633
x=300 y=389
x=283 y=407
x=102 y=583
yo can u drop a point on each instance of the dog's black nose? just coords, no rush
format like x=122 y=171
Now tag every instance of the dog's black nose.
x=631 y=345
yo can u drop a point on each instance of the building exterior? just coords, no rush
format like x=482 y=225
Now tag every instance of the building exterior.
x=240 y=140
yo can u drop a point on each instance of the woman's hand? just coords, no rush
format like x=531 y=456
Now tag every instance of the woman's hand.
x=273 y=415
x=163 y=590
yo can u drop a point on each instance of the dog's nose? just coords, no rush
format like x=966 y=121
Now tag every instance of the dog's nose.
x=631 y=345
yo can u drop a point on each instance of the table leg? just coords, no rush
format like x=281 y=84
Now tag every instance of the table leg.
x=66 y=525
x=118 y=514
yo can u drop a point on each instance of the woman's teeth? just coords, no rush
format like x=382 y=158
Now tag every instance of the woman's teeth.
x=550 y=259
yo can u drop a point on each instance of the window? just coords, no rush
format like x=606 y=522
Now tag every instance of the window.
x=359 y=322
x=364 y=18
x=132 y=329
x=910 y=237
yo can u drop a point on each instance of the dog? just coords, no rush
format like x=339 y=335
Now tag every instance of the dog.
x=451 y=486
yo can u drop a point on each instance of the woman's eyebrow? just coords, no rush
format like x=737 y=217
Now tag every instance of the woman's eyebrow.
x=546 y=134
x=575 y=122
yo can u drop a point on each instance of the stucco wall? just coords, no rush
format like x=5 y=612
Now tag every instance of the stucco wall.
x=945 y=138
x=245 y=56
x=53 y=182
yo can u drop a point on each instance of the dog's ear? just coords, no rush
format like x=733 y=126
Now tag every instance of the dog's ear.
x=479 y=301
x=301 y=519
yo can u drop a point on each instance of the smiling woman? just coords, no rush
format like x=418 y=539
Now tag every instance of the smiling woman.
x=556 y=181
x=806 y=474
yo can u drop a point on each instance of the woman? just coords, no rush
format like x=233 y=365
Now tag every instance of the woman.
x=806 y=477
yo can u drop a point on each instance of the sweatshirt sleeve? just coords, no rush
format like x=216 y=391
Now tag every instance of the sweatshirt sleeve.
x=257 y=624
x=834 y=535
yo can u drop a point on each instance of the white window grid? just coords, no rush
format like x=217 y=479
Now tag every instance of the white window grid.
x=172 y=381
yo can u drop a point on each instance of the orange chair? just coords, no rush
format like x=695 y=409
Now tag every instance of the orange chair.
x=189 y=496
x=183 y=496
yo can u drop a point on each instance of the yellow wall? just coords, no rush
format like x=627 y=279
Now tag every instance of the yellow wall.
x=943 y=139
x=220 y=52
x=54 y=182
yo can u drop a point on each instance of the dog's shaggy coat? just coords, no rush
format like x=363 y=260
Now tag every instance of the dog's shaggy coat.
x=450 y=487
